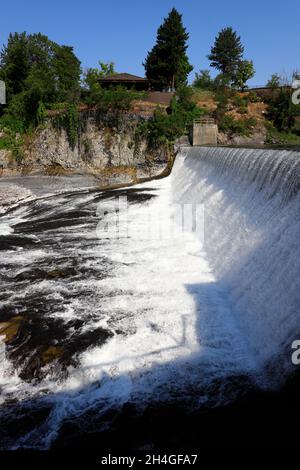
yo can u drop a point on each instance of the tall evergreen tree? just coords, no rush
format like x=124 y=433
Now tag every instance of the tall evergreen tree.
x=226 y=53
x=167 y=64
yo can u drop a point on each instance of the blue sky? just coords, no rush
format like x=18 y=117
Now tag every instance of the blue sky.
x=123 y=31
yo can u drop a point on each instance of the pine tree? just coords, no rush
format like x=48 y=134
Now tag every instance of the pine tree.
x=167 y=64
x=227 y=53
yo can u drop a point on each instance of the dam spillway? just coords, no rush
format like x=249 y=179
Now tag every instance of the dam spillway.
x=252 y=228
x=105 y=320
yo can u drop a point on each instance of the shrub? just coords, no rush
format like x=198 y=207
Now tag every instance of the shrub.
x=222 y=99
x=253 y=97
x=70 y=122
x=113 y=99
x=281 y=111
x=165 y=128
x=87 y=147
x=236 y=126
x=12 y=141
x=203 y=80
x=282 y=138
x=240 y=101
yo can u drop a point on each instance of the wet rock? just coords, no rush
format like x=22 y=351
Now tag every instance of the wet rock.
x=83 y=341
x=31 y=275
x=57 y=273
x=8 y=242
x=10 y=329
x=39 y=345
x=40 y=274
x=51 y=354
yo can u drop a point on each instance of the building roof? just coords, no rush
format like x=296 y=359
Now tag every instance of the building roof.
x=122 y=77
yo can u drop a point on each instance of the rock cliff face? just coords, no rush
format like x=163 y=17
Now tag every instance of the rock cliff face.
x=106 y=147
x=257 y=138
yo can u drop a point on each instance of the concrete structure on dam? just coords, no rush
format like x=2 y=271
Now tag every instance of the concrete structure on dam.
x=204 y=132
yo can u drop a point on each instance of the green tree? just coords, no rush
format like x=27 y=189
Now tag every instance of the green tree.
x=226 y=53
x=92 y=75
x=203 y=80
x=166 y=127
x=167 y=64
x=244 y=72
x=34 y=63
x=67 y=73
x=281 y=111
x=14 y=64
x=37 y=72
x=274 y=81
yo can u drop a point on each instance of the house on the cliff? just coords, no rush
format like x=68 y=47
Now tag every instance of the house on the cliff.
x=134 y=82
x=126 y=80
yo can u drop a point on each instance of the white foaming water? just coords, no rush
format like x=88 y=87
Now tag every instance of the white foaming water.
x=181 y=317
x=252 y=228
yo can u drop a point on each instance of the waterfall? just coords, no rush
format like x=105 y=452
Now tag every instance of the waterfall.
x=251 y=203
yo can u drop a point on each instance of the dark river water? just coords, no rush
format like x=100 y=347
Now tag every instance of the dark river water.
x=99 y=318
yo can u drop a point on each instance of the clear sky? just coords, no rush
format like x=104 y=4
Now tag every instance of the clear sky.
x=123 y=31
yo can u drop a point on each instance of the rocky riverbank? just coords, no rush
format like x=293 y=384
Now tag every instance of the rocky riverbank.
x=101 y=146
x=105 y=152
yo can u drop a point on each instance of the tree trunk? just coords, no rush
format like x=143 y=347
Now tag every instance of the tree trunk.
x=173 y=83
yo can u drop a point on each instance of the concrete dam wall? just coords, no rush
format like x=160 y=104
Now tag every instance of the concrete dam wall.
x=251 y=204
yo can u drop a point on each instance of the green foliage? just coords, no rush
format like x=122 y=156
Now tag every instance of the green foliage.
x=87 y=147
x=14 y=64
x=227 y=57
x=245 y=71
x=281 y=111
x=226 y=53
x=275 y=81
x=36 y=70
x=58 y=106
x=69 y=120
x=229 y=124
x=41 y=112
x=12 y=141
x=280 y=137
x=67 y=72
x=165 y=128
x=221 y=82
x=18 y=116
x=5 y=142
x=222 y=97
x=107 y=99
x=50 y=70
x=203 y=80
x=240 y=101
x=115 y=99
x=253 y=97
x=92 y=76
x=72 y=121
x=167 y=64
